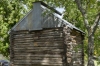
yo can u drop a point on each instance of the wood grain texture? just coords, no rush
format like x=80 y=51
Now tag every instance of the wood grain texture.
x=48 y=47
x=38 y=47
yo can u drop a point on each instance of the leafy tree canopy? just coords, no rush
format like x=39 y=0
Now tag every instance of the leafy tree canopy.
x=11 y=11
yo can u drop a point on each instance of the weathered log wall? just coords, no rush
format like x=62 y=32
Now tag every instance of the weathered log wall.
x=78 y=48
x=48 y=47
x=37 y=48
x=73 y=41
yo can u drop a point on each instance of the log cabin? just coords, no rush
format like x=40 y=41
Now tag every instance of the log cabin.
x=41 y=38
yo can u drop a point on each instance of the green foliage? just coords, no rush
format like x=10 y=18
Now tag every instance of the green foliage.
x=12 y=10
x=97 y=42
x=10 y=13
x=73 y=15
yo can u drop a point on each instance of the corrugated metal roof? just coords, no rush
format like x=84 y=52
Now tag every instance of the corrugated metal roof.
x=36 y=19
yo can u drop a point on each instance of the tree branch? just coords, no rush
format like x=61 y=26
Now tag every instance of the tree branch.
x=78 y=2
x=83 y=11
x=94 y=26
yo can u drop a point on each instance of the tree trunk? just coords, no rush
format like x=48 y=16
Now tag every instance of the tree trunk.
x=90 y=49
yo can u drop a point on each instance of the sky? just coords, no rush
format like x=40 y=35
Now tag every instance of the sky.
x=61 y=10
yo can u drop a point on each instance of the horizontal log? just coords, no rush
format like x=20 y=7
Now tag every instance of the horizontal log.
x=39 y=40
x=39 y=51
x=24 y=35
x=28 y=41
x=20 y=45
x=42 y=48
x=38 y=45
x=19 y=39
x=36 y=55
x=55 y=43
x=46 y=37
x=37 y=37
x=38 y=61
x=37 y=58
x=42 y=35
x=34 y=64
x=50 y=34
x=53 y=39
x=41 y=43
x=38 y=65
x=56 y=33
x=22 y=40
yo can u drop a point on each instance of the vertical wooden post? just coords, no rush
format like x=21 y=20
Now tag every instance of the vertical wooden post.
x=65 y=50
x=82 y=36
x=11 y=48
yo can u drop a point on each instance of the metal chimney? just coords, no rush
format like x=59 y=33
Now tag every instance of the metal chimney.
x=36 y=16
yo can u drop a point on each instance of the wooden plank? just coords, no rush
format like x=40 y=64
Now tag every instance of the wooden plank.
x=50 y=34
x=23 y=41
x=35 y=48
x=37 y=65
x=38 y=61
x=22 y=38
x=36 y=58
x=34 y=64
x=39 y=53
x=40 y=42
x=42 y=55
x=24 y=35
x=38 y=45
x=41 y=33
x=35 y=45
x=38 y=37
x=53 y=39
x=48 y=50
x=31 y=43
